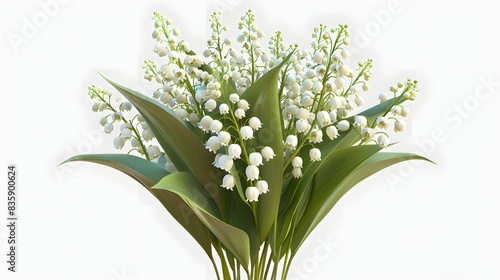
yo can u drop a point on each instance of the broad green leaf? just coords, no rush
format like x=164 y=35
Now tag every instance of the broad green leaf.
x=265 y=104
x=333 y=173
x=171 y=132
x=148 y=174
x=184 y=184
x=345 y=139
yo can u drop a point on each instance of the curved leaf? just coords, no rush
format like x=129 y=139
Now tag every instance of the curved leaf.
x=179 y=141
x=148 y=174
x=333 y=173
x=264 y=103
x=183 y=184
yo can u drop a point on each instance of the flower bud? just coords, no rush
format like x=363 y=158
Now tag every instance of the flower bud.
x=343 y=125
x=343 y=70
x=210 y=105
x=359 y=101
x=170 y=167
x=405 y=112
x=366 y=87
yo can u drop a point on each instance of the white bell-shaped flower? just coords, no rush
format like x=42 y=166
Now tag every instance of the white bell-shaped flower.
x=382 y=122
x=360 y=121
x=316 y=136
x=297 y=162
x=307 y=84
x=239 y=113
x=252 y=172
x=103 y=121
x=267 y=153
x=126 y=133
x=383 y=141
x=367 y=133
x=213 y=144
x=318 y=57
x=108 y=128
x=181 y=114
x=302 y=125
x=382 y=97
x=224 y=137
x=205 y=123
x=262 y=186
x=291 y=109
x=323 y=118
x=297 y=172
x=343 y=70
x=334 y=103
x=254 y=123
x=228 y=182
x=210 y=105
x=223 y=109
x=359 y=101
x=343 y=125
x=366 y=87
x=405 y=112
x=291 y=141
x=234 y=151
x=147 y=135
x=216 y=160
x=234 y=97
x=125 y=106
x=225 y=163
x=252 y=194
x=246 y=132
x=135 y=143
x=243 y=104
x=215 y=126
x=339 y=82
x=303 y=114
x=399 y=126
x=315 y=154
x=119 y=142
x=332 y=132
x=255 y=159
x=153 y=152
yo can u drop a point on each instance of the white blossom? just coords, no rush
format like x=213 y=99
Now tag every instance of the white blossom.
x=315 y=154
x=332 y=132
x=252 y=194
x=297 y=162
x=119 y=142
x=262 y=186
x=267 y=153
x=224 y=137
x=252 y=172
x=234 y=151
x=246 y=132
x=343 y=125
x=228 y=182
x=399 y=126
x=254 y=123
x=255 y=159
x=213 y=144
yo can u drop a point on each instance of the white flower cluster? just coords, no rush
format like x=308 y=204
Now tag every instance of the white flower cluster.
x=317 y=88
x=134 y=130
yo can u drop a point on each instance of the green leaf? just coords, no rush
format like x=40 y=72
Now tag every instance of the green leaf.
x=333 y=173
x=186 y=185
x=265 y=104
x=148 y=174
x=178 y=140
x=345 y=139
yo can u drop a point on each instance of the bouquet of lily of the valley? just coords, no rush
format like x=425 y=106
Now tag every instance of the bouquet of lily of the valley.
x=250 y=146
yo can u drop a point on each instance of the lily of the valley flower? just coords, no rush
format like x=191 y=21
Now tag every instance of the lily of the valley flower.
x=252 y=194
x=228 y=182
x=315 y=154
x=252 y=172
x=262 y=186
x=267 y=153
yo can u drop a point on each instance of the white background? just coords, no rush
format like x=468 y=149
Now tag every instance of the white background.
x=85 y=221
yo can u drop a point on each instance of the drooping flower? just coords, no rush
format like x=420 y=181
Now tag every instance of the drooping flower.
x=255 y=159
x=224 y=137
x=228 y=182
x=382 y=122
x=297 y=162
x=213 y=144
x=297 y=172
x=108 y=128
x=243 y=104
x=246 y=132
x=399 y=126
x=254 y=123
x=315 y=154
x=323 y=118
x=343 y=125
x=360 y=121
x=252 y=172
x=225 y=163
x=205 y=123
x=291 y=141
x=215 y=126
x=223 y=109
x=119 y=142
x=267 y=153
x=153 y=152
x=383 y=141
x=239 y=114
x=317 y=136
x=382 y=97
x=252 y=194
x=181 y=114
x=332 y=132
x=262 y=186
x=210 y=105
x=234 y=151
